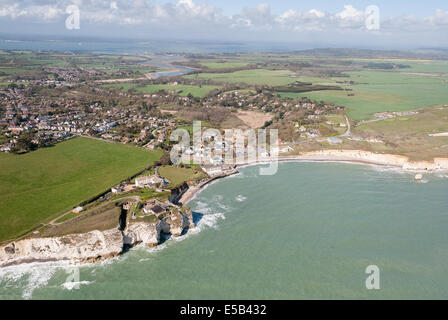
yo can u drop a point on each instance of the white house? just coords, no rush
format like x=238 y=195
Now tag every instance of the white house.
x=77 y=209
x=148 y=181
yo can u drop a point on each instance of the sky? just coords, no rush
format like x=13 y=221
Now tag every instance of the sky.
x=332 y=23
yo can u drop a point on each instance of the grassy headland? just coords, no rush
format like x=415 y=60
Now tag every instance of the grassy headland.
x=40 y=185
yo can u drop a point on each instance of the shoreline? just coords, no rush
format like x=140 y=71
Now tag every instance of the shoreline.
x=191 y=193
x=349 y=156
x=334 y=156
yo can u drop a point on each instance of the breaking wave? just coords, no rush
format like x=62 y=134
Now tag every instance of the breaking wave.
x=74 y=285
x=30 y=276
x=240 y=198
x=206 y=215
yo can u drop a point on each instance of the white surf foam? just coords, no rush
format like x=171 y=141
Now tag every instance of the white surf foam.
x=74 y=285
x=202 y=207
x=240 y=198
x=223 y=206
x=160 y=247
x=210 y=221
x=207 y=221
x=31 y=276
x=387 y=169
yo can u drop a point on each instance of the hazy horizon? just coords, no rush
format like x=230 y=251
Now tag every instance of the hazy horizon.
x=333 y=24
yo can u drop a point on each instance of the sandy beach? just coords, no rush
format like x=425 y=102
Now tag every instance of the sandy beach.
x=347 y=156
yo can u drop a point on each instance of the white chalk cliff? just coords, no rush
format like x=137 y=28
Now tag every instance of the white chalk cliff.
x=95 y=245
x=377 y=158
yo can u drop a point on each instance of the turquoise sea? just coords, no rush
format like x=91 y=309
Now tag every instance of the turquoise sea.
x=308 y=232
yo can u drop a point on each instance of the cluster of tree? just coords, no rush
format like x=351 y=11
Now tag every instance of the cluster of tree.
x=130 y=131
x=300 y=87
x=386 y=66
x=226 y=70
x=215 y=116
x=25 y=143
x=333 y=74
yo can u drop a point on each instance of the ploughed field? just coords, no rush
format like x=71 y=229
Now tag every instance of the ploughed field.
x=39 y=186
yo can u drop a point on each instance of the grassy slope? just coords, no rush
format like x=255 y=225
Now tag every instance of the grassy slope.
x=40 y=185
x=101 y=218
x=178 y=175
x=410 y=135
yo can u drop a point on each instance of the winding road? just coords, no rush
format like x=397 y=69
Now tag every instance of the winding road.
x=349 y=128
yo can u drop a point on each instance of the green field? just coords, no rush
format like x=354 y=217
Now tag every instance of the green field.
x=196 y=91
x=122 y=86
x=26 y=62
x=424 y=66
x=178 y=175
x=41 y=185
x=5 y=84
x=424 y=83
x=256 y=76
x=184 y=90
x=223 y=65
x=14 y=70
x=379 y=91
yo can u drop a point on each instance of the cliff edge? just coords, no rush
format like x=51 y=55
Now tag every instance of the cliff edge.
x=96 y=245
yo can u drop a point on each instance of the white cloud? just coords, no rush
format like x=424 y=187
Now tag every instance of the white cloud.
x=350 y=17
x=439 y=19
x=312 y=20
x=350 y=13
x=40 y=12
x=9 y=11
x=188 y=14
x=316 y=13
x=297 y=17
x=258 y=18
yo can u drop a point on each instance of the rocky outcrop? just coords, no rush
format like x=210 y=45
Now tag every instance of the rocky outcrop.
x=437 y=164
x=177 y=222
x=177 y=193
x=95 y=245
x=143 y=232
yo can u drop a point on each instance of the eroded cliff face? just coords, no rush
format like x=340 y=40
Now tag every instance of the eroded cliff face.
x=94 y=246
x=142 y=232
x=88 y=247
x=383 y=159
x=177 y=222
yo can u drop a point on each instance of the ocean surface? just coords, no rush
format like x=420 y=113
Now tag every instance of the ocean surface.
x=135 y=47
x=308 y=232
